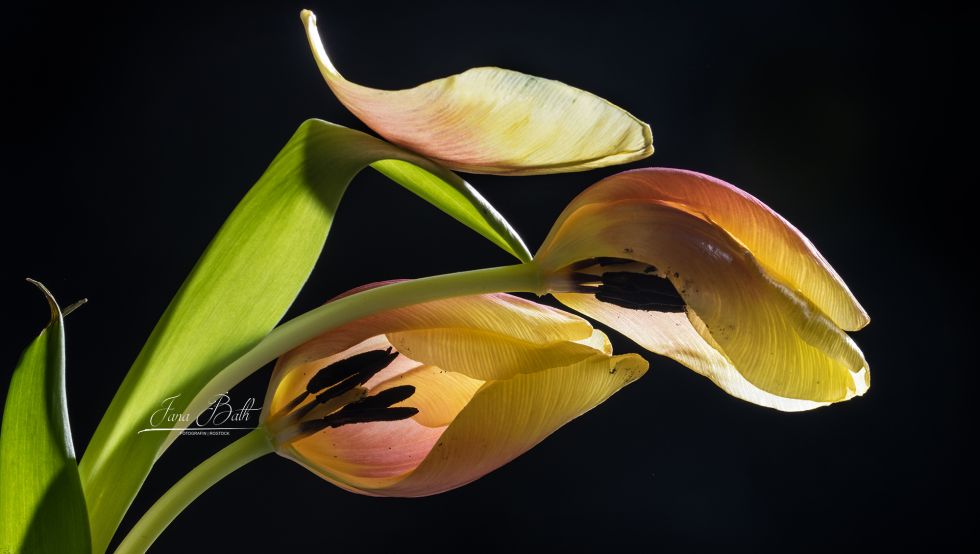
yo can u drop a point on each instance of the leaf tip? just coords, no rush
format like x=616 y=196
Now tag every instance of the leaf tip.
x=52 y=303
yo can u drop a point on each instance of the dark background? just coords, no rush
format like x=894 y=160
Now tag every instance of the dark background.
x=130 y=134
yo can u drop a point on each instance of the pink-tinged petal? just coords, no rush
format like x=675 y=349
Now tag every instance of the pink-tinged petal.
x=507 y=418
x=488 y=425
x=554 y=368
x=779 y=247
x=503 y=314
x=673 y=335
x=492 y=120
x=776 y=338
x=364 y=455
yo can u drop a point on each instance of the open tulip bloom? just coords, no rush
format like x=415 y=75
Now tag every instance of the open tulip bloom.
x=416 y=387
x=692 y=268
x=419 y=400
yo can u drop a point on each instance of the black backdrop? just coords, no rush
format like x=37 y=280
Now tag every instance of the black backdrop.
x=129 y=134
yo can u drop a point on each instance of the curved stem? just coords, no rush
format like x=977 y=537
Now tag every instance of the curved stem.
x=512 y=278
x=253 y=445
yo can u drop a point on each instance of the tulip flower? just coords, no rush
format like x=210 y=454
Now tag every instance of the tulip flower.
x=492 y=120
x=418 y=400
x=692 y=268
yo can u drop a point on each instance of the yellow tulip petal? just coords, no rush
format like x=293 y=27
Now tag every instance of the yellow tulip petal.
x=776 y=243
x=439 y=394
x=674 y=335
x=552 y=367
x=776 y=338
x=485 y=355
x=492 y=120
x=500 y=421
x=598 y=341
x=503 y=314
x=506 y=418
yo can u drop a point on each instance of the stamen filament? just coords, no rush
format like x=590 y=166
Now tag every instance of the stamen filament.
x=370 y=416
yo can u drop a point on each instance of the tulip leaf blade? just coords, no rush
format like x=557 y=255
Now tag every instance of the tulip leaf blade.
x=459 y=200
x=41 y=495
x=242 y=286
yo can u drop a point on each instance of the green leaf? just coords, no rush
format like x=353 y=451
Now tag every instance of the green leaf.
x=41 y=500
x=242 y=286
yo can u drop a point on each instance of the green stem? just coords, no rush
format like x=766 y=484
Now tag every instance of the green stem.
x=513 y=278
x=250 y=447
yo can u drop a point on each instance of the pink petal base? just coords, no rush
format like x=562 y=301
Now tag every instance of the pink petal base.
x=371 y=450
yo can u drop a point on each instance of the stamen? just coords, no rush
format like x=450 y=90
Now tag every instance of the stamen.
x=584 y=278
x=340 y=400
x=367 y=410
x=605 y=261
x=363 y=366
x=330 y=406
x=366 y=364
x=383 y=399
x=285 y=426
x=639 y=291
x=294 y=402
x=344 y=386
x=582 y=289
x=336 y=420
x=602 y=261
x=642 y=283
